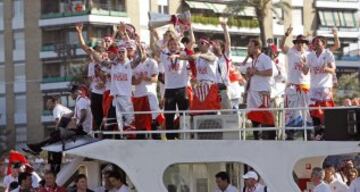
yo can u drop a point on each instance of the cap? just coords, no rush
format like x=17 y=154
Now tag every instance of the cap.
x=122 y=48
x=130 y=45
x=113 y=49
x=300 y=39
x=251 y=175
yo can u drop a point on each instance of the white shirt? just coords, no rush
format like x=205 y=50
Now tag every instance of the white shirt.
x=322 y=187
x=121 y=75
x=295 y=74
x=8 y=179
x=207 y=70
x=355 y=185
x=175 y=72
x=60 y=110
x=223 y=65
x=338 y=186
x=257 y=82
x=148 y=68
x=320 y=79
x=80 y=104
x=94 y=80
x=123 y=188
x=230 y=188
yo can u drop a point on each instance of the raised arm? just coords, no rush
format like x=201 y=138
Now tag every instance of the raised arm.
x=88 y=50
x=122 y=32
x=226 y=36
x=337 y=43
x=283 y=47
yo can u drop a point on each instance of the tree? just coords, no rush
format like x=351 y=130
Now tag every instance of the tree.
x=348 y=87
x=261 y=10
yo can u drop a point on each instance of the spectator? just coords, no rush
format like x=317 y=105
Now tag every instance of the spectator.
x=50 y=184
x=252 y=183
x=223 y=183
x=335 y=185
x=355 y=102
x=118 y=182
x=25 y=183
x=13 y=176
x=355 y=185
x=352 y=174
x=106 y=183
x=81 y=184
x=347 y=102
x=317 y=179
x=344 y=170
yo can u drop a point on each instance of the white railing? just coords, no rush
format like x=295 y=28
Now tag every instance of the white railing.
x=242 y=129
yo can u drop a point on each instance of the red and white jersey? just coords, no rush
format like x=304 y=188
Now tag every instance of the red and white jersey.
x=295 y=74
x=175 y=72
x=319 y=78
x=121 y=76
x=147 y=68
x=94 y=79
x=206 y=70
x=257 y=82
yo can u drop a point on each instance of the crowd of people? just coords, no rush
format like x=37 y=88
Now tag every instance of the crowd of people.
x=181 y=72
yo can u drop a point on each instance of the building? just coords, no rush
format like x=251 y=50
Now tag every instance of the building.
x=33 y=64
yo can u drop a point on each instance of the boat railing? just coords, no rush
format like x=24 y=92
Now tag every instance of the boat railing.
x=240 y=129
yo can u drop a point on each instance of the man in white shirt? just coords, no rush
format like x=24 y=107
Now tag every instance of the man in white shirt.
x=145 y=96
x=258 y=96
x=176 y=79
x=61 y=114
x=83 y=125
x=335 y=185
x=317 y=179
x=298 y=82
x=252 y=183
x=321 y=63
x=223 y=183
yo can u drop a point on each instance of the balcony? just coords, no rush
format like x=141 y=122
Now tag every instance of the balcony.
x=75 y=12
x=55 y=83
x=337 y=4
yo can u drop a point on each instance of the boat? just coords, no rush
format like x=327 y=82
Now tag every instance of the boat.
x=154 y=165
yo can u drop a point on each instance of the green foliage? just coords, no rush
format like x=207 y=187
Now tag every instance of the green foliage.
x=348 y=87
x=232 y=21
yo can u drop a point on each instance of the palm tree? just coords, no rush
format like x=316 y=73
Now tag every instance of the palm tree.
x=261 y=9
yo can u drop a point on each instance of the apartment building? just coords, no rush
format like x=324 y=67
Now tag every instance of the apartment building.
x=39 y=53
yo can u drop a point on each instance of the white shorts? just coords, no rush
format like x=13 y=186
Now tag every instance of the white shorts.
x=154 y=105
x=123 y=104
x=294 y=98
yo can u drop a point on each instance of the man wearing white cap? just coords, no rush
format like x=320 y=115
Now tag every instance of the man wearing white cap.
x=252 y=184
